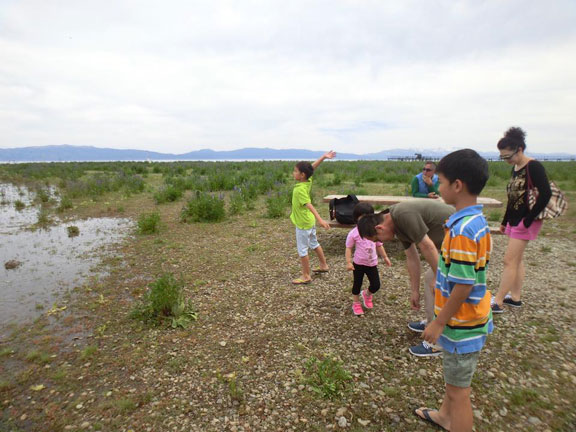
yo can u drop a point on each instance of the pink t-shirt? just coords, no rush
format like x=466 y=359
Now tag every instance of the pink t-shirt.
x=364 y=249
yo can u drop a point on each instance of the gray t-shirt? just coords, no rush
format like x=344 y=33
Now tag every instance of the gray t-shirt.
x=414 y=219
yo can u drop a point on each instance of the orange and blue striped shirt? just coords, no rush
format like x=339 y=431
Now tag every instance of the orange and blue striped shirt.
x=464 y=257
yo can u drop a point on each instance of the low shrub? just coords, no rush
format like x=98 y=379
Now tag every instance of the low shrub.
x=19 y=205
x=167 y=193
x=203 y=207
x=236 y=205
x=73 y=231
x=165 y=301
x=276 y=203
x=65 y=204
x=149 y=223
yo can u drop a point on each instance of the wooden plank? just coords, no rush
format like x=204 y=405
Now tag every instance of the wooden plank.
x=395 y=199
x=336 y=224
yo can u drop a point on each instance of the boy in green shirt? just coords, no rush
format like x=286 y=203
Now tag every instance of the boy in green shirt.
x=304 y=215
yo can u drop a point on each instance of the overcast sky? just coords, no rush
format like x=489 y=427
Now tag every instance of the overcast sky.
x=349 y=75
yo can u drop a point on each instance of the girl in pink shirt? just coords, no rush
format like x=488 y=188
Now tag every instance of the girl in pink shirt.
x=365 y=262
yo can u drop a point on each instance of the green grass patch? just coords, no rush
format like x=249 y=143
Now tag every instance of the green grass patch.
x=36 y=356
x=88 y=352
x=327 y=378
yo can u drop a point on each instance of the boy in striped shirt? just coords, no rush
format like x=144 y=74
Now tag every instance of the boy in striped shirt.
x=463 y=316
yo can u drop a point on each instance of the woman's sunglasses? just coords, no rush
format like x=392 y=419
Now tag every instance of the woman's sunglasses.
x=507 y=157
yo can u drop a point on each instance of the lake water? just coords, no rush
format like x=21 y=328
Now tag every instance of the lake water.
x=52 y=263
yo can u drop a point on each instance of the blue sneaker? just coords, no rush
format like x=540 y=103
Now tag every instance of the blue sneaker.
x=417 y=326
x=424 y=350
x=497 y=309
x=508 y=301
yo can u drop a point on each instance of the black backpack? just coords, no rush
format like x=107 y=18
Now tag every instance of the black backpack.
x=342 y=209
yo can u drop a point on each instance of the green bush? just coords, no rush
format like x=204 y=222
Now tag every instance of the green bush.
x=19 y=205
x=165 y=301
x=203 y=207
x=236 y=204
x=65 y=204
x=149 y=223
x=73 y=231
x=277 y=202
x=167 y=193
x=43 y=218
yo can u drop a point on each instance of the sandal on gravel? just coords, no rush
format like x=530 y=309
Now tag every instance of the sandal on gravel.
x=426 y=416
x=320 y=270
x=301 y=281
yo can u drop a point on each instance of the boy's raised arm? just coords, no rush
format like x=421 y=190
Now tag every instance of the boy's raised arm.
x=328 y=155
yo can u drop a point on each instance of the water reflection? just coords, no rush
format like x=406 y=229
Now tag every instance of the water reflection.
x=52 y=262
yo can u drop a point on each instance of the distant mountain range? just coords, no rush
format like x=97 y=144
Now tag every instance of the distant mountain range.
x=69 y=153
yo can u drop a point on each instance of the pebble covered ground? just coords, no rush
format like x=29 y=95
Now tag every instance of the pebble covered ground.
x=242 y=365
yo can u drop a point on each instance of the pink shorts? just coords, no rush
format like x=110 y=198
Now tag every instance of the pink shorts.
x=520 y=232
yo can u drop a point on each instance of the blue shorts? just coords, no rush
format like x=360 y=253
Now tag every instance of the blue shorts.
x=306 y=239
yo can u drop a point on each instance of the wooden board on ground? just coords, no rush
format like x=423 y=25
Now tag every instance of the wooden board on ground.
x=395 y=199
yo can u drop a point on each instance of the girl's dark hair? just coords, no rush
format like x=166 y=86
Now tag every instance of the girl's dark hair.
x=361 y=209
x=367 y=224
x=513 y=139
x=306 y=168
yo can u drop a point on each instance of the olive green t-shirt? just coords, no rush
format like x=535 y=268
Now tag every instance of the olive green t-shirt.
x=301 y=216
x=414 y=219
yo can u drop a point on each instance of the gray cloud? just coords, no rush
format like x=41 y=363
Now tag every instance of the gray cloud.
x=182 y=75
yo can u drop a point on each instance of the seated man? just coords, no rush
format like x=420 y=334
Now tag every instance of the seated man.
x=425 y=184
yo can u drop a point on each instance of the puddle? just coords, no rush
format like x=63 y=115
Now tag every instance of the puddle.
x=51 y=262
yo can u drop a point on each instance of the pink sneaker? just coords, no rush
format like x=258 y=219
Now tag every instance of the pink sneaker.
x=367 y=299
x=357 y=308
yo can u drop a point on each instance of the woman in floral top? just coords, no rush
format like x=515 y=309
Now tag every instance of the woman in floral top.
x=520 y=223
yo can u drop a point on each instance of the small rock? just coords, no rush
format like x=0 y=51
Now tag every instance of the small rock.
x=490 y=374
x=534 y=421
x=85 y=425
x=12 y=264
x=478 y=414
x=342 y=422
x=503 y=412
x=223 y=343
x=341 y=411
x=422 y=372
x=363 y=422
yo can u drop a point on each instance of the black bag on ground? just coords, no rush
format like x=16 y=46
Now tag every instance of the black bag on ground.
x=342 y=209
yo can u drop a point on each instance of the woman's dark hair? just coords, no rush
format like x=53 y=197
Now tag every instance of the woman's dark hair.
x=306 y=168
x=361 y=209
x=513 y=139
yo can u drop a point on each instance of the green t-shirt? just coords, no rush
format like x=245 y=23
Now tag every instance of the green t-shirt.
x=414 y=219
x=301 y=216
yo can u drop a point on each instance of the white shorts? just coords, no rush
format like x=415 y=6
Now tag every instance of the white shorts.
x=306 y=239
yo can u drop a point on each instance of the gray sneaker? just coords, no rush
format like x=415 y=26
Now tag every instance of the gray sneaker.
x=417 y=326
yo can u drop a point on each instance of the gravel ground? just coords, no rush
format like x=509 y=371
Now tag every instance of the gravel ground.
x=242 y=365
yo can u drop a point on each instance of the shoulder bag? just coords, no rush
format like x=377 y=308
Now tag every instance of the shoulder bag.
x=557 y=205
